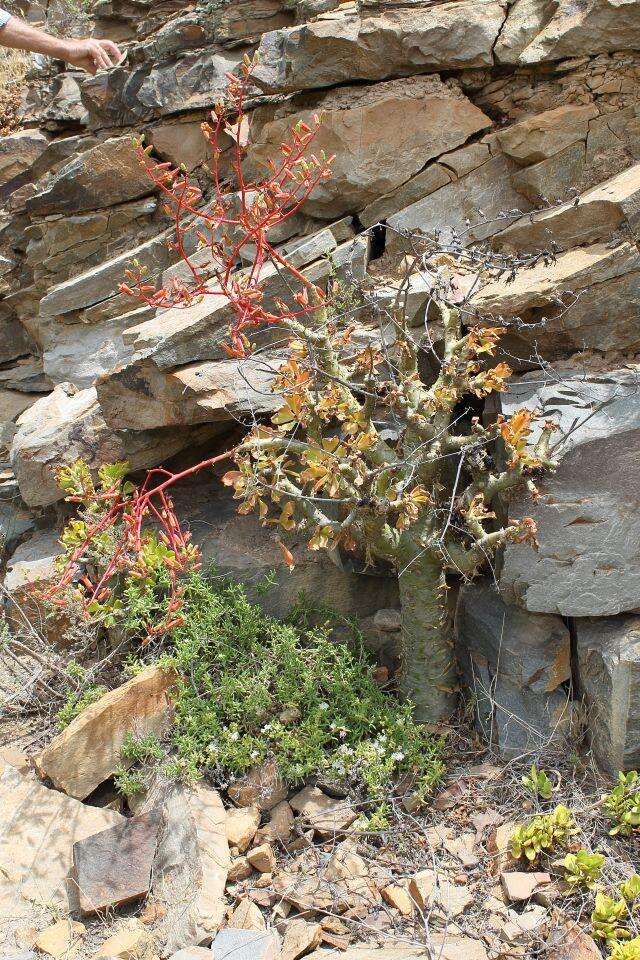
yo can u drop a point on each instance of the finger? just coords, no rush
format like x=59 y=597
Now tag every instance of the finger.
x=112 y=49
x=100 y=58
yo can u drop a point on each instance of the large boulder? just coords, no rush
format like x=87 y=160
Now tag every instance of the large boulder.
x=104 y=175
x=190 y=866
x=516 y=668
x=38 y=828
x=588 y=562
x=140 y=396
x=586 y=298
x=87 y=752
x=324 y=53
x=608 y=652
x=567 y=29
x=68 y=425
x=477 y=205
x=423 y=117
x=240 y=548
x=598 y=214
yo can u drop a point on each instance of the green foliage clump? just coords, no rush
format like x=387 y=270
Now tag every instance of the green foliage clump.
x=626 y=951
x=630 y=889
x=254 y=688
x=622 y=805
x=136 y=750
x=609 y=919
x=543 y=834
x=582 y=869
x=78 y=696
x=538 y=783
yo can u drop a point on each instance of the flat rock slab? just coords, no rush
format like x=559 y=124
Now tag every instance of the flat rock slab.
x=232 y=944
x=326 y=815
x=38 y=828
x=114 y=867
x=87 y=752
x=519 y=886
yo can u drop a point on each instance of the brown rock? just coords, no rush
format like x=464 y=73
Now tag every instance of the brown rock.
x=240 y=869
x=87 y=752
x=280 y=825
x=520 y=886
x=127 y=944
x=300 y=937
x=262 y=858
x=113 y=867
x=60 y=939
x=539 y=137
x=326 y=815
x=247 y=916
x=38 y=828
x=422 y=116
x=568 y=942
x=262 y=786
x=242 y=824
x=104 y=175
x=397 y=896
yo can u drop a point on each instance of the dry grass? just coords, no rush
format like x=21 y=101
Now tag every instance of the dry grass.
x=14 y=66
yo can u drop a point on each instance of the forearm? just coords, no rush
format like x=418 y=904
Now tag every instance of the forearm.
x=20 y=35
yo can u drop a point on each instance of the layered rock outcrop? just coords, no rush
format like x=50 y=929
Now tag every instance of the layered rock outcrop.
x=518 y=124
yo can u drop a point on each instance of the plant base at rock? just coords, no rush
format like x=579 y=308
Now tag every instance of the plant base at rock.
x=254 y=689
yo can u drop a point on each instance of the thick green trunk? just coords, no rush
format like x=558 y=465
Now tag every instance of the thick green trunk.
x=428 y=673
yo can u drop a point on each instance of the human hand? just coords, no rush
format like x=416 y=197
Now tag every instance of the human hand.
x=92 y=55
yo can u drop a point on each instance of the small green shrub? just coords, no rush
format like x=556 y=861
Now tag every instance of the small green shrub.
x=582 y=869
x=622 y=805
x=543 y=834
x=79 y=696
x=130 y=783
x=538 y=783
x=254 y=688
x=136 y=751
x=626 y=951
x=609 y=919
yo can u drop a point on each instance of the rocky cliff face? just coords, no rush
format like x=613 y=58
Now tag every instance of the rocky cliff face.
x=515 y=123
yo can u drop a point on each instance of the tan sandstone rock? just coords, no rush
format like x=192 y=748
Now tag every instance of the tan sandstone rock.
x=88 y=751
x=38 y=828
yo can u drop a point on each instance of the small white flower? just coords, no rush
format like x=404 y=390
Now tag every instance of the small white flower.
x=397 y=756
x=324 y=706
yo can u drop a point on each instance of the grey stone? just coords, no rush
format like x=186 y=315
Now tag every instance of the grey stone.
x=190 y=866
x=588 y=563
x=422 y=116
x=514 y=666
x=104 y=175
x=100 y=284
x=587 y=298
x=232 y=944
x=596 y=215
x=574 y=31
x=475 y=206
x=247 y=552
x=139 y=396
x=346 y=48
x=80 y=353
x=67 y=425
x=609 y=671
x=194 y=80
